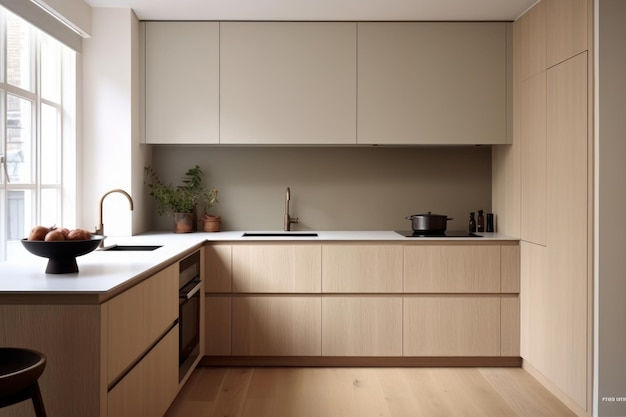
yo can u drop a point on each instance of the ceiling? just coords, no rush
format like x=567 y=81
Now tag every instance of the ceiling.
x=506 y=10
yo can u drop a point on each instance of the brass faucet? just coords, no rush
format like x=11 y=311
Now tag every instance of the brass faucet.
x=100 y=226
x=288 y=219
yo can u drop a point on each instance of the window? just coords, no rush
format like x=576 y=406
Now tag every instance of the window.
x=37 y=113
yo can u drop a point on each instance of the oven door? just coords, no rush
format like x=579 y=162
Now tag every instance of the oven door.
x=189 y=325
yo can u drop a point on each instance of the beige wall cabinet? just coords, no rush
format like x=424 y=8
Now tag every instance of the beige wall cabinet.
x=566 y=29
x=432 y=83
x=288 y=82
x=182 y=82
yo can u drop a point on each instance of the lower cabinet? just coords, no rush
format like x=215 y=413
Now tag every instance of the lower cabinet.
x=276 y=326
x=362 y=326
x=451 y=326
x=151 y=386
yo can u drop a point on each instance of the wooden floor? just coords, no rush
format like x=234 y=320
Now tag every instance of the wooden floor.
x=364 y=392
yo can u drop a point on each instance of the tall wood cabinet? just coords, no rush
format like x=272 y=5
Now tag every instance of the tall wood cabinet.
x=552 y=142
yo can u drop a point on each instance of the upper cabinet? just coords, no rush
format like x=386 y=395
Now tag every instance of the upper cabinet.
x=432 y=83
x=566 y=29
x=288 y=83
x=182 y=82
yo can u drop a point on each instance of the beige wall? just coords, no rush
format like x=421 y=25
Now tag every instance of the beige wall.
x=611 y=208
x=335 y=188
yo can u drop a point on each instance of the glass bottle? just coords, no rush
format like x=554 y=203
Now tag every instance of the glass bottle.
x=472 y=223
x=480 y=223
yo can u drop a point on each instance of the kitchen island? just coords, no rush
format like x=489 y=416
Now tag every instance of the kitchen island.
x=87 y=322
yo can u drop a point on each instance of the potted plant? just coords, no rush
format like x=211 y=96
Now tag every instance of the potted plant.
x=180 y=201
x=210 y=223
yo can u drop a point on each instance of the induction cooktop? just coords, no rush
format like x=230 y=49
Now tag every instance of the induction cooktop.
x=447 y=233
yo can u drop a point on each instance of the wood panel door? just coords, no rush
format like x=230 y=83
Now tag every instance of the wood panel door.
x=285 y=268
x=362 y=326
x=566 y=29
x=451 y=269
x=276 y=326
x=451 y=326
x=362 y=268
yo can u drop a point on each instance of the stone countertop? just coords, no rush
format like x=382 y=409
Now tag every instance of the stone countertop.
x=103 y=274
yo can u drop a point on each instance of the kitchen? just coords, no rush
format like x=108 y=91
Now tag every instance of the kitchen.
x=475 y=162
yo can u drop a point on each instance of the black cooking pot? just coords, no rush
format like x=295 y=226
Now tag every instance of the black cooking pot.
x=429 y=223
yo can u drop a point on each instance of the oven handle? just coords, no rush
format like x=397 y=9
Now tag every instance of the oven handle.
x=192 y=291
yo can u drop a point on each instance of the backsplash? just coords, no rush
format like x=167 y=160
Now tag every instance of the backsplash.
x=334 y=188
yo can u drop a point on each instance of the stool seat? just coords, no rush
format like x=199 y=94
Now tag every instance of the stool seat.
x=19 y=371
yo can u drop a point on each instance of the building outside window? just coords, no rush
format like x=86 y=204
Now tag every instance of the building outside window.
x=37 y=116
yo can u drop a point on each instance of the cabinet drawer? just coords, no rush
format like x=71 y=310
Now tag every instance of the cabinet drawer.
x=276 y=326
x=150 y=387
x=276 y=268
x=362 y=268
x=138 y=317
x=451 y=269
x=362 y=326
x=451 y=326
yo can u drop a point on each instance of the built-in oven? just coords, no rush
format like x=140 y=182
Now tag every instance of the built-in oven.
x=189 y=312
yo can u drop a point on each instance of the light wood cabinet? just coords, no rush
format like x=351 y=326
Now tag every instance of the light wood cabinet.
x=414 y=78
x=362 y=268
x=276 y=326
x=452 y=269
x=151 y=386
x=530 y=46
x=182 y=82
x=567 y=29
x=218 y=325
x=288 y=82
x=451 y=326
x=276 y=268
x=362 y=326
x=138 y=317
x=218 y=268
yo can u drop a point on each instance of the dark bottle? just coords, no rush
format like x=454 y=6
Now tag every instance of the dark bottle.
x=490 y=222
x=480 y=223
x=472 y=223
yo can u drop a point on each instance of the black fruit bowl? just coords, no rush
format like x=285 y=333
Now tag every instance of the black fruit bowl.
x=62 y=254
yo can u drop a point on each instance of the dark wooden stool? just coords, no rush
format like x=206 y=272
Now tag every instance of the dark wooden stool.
x=19 y=371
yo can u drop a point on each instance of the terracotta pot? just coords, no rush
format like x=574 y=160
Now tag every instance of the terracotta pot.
x=211 y=223
x=183 y=222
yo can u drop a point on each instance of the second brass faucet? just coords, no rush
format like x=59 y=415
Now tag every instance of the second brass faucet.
x=288 y=219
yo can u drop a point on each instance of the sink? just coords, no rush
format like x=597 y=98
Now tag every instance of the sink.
x=131 y=248
x=279 y=234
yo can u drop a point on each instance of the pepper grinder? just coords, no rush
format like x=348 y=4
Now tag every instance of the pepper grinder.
x=480 y=224
x=490 y=227
x=472 y=223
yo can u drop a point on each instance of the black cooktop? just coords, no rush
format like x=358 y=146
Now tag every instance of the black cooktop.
x=447 y=233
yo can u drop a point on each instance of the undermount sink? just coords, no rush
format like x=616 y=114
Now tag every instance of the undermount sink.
x=279 y=234
x=131 y=248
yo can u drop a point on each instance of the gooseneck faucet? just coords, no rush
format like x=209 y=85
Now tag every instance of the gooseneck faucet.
x=100 y=226
x=288 y=219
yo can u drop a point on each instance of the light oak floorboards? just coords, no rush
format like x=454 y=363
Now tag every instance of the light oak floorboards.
x=364 y=392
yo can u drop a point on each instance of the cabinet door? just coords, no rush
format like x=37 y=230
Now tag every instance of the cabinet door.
x=288 y=82
x=432 y=83
x=451 y=326
x=362 y=268
x=218 y=267
x=150 y=387
x=138 y=317
x=451 y=269
x=289 y=268
x=533 y=158
x=362 y=326
x=182 y=82
x=566 y=29
x=218 y=324
x=276 y=326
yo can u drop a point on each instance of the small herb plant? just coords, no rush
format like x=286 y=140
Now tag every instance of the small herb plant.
x=180 y=198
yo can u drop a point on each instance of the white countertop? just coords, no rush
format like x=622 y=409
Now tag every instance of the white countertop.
x=102 y=272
